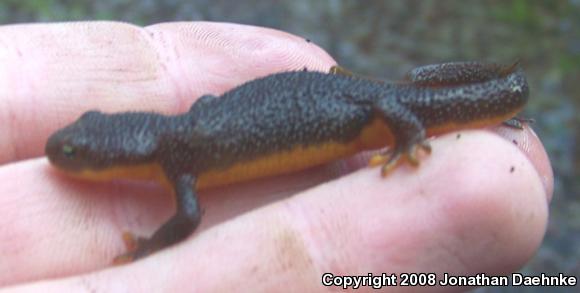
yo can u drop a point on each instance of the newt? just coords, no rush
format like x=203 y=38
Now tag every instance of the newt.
x=282 y=123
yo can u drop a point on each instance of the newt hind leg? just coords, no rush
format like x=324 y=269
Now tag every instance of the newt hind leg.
x=390 y=158
x=409 y=132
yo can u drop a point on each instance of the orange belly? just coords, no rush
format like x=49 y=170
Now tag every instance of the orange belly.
x=373 y=136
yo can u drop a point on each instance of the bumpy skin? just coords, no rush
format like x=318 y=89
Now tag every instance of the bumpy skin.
x=282 y=123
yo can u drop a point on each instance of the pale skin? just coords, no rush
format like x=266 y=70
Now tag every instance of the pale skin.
x=477 y=204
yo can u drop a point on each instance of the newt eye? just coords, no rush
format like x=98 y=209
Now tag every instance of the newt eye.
x=68 y=151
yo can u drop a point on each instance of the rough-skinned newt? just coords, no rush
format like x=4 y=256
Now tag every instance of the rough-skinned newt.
x=283 y=123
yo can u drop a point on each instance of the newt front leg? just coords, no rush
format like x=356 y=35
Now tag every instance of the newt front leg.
x=186 y=219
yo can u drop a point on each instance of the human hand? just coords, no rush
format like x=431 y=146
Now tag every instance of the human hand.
x=477 y=204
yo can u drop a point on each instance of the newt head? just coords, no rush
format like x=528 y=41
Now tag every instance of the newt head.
x=98 y=142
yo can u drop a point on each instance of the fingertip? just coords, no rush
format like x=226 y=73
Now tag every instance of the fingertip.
x=526 y=141
x=212 y=57
x=475 y=195
x=493 y=193
x=261 y=48
x=531 y=146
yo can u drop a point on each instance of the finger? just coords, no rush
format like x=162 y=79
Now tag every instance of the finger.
x=525 y=140
x=76 y=226
x=51 y=73
x=53 y=226
x=529 y=144
x=463 y=203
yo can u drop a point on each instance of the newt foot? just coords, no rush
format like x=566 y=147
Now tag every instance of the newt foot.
x=390 y=158
x=132 y=244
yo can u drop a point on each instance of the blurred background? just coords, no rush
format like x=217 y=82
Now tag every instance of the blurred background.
x=387 y=38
